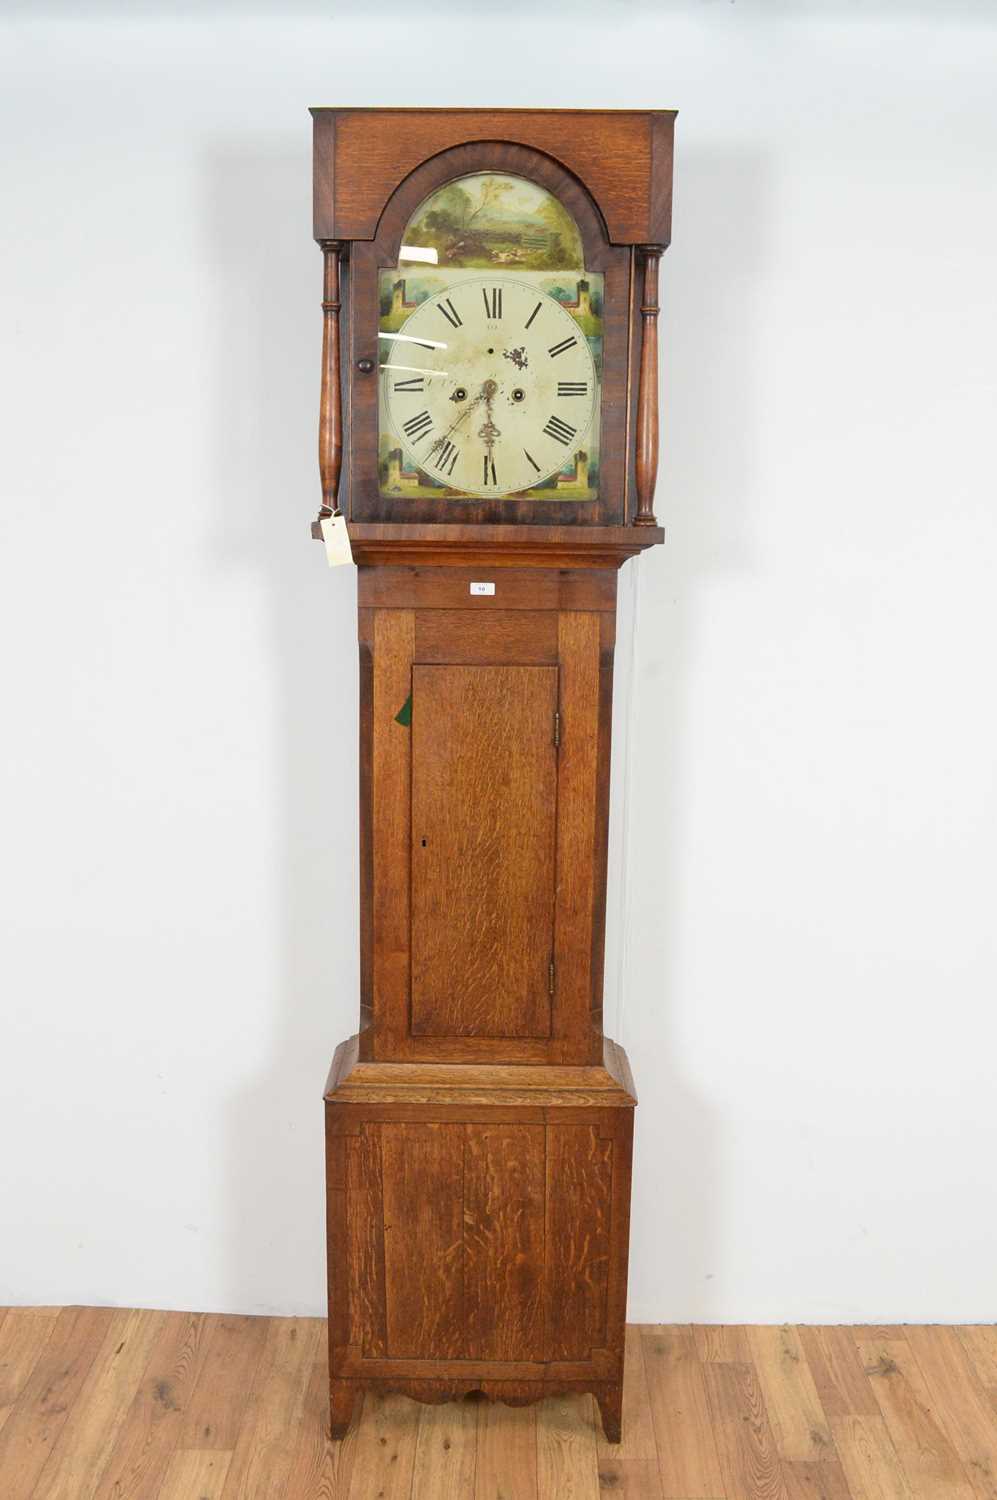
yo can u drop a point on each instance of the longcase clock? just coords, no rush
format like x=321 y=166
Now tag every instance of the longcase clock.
x=489 y=430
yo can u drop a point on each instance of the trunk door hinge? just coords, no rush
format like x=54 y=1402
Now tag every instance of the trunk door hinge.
x=557 y=729
x=550 y=978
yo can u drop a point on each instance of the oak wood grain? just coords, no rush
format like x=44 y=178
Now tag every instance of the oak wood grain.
x=928 y=1459
x=321 y=1469
x=628 y=1478
x=836 y=1366
x=567 y=1457
x=384 y=1456
x=600 y=843
x=508 y=1273
x=815 y=1480
x=367 y=1328
x=343 y=1299
x=233 y=1350
x=624 y=155
x=602 y=1368
x=484 y=1106
x=482 y=893
x=721 y=1343
x=394 y=643
x=406 y=754
x=330 y=437
x=859 y=1331
x=265 y=1449
x=526 y=637
x=746 y=1448
x=959 y=1402
x=81 y=1450
x=578 y=1237
x=483 y=855
x=445 y=1454
x=504 y=1241
x=646 y=462
x=79 y=1401
x=869 y=1459
x=342 y=1407
x=40 y=1409
x=365 y=788
x=683 y=1424
x=423 y=1173
x=23 y=1333
x=799 y=1424
x=638 y=1442
x=980 y=1343
x=499 y=545
x=507 y=1452
x=434 y=587
x=354 y=1083
x=149 y=1433
x=578 y=894
x=610 y=1079
x=199 y=1472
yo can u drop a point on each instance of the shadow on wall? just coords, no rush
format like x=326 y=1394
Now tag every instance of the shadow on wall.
x=679 y=1240
x=268 y=290
x=257 y=213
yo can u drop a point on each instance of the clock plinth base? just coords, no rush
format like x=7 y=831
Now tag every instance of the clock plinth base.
x=478 y=1226
x=342 y=1402
x=608 y=1396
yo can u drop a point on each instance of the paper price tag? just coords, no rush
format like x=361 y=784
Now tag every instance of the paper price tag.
x=337 y=540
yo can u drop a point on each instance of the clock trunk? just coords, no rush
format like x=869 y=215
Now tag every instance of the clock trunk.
x=484 y=811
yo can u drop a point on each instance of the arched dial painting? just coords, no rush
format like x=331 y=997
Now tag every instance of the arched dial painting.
x=490 y=349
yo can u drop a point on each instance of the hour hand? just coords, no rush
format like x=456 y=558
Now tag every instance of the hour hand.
x=464 y=414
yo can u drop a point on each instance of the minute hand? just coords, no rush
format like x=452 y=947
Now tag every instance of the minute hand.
x=488 y=432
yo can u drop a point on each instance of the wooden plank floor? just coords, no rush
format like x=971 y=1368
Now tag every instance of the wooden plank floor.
x=117 y=1404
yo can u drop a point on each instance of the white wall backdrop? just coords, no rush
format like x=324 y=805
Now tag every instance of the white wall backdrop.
x=803 y=954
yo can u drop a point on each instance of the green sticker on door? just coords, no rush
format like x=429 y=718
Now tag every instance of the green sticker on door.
x=404 y=714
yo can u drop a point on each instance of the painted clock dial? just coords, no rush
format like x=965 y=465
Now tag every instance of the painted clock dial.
x=489 y=385
x=490 y=341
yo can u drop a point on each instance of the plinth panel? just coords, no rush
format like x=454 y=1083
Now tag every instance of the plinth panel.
x=478 y=1226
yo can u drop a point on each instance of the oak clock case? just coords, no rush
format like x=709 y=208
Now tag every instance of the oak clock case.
x=489 y=428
